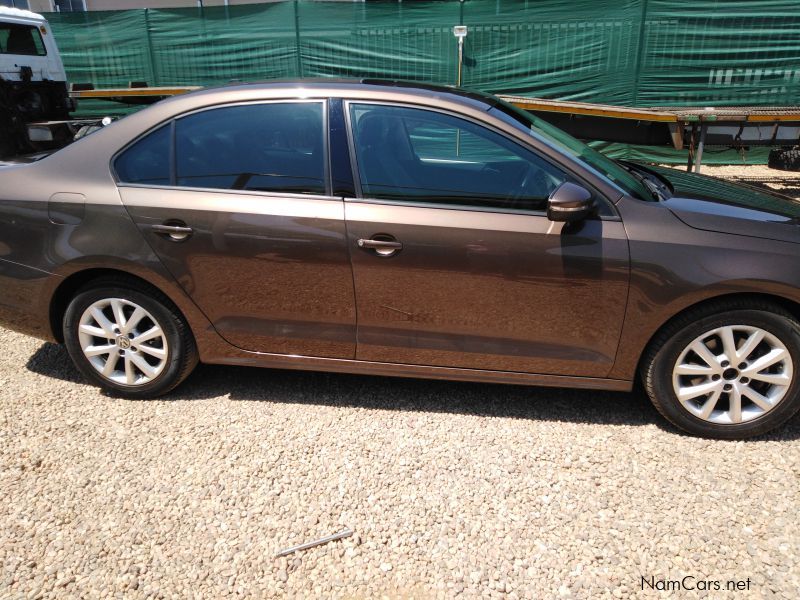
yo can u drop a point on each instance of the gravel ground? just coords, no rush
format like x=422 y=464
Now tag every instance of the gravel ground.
x=484 y=490
x=785 y=182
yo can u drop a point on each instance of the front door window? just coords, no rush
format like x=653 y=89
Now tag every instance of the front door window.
x=432 y=157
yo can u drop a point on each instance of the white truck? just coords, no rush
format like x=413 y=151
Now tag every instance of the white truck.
x=33 y=83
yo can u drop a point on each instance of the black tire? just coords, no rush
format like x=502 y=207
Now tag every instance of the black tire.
x=665 y=350
x=181 y=353
x=784 y=160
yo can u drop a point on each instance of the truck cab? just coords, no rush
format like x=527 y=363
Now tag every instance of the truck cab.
x=33 y=83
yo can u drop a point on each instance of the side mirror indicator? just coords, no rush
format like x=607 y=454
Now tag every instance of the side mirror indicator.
x=569 y=202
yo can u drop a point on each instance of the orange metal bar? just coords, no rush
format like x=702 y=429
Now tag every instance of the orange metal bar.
x=133 y=92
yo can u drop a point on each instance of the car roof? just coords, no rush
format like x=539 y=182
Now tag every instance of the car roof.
x=335 y=87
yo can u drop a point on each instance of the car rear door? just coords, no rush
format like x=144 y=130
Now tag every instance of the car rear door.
x=455 y=262
x=235 y=201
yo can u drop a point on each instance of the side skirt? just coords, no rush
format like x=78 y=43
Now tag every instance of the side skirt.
x=360 y=367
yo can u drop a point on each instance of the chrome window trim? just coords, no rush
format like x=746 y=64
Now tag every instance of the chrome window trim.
x=276 y=195
x=466 y=208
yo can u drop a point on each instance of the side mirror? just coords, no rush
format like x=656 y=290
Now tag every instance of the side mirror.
x=569 y=202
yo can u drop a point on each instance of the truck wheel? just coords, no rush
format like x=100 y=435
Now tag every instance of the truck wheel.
x=784 y=160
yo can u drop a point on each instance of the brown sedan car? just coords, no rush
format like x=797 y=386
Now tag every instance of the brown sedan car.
x=393 y=229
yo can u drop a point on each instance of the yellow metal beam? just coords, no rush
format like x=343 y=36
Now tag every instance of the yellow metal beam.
x=662 y=115
x=145 y=92
x=595 y=110
x=770 y=118
x=678 y=114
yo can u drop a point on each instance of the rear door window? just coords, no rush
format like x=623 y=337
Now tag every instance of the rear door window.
x=147 y=162
x=275 y=147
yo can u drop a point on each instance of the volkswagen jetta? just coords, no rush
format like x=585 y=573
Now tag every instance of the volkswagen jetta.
x=397 y=229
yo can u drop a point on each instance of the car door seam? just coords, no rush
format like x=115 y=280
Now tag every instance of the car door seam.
x=352 y=273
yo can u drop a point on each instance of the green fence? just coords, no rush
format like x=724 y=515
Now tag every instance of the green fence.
x=627 y=52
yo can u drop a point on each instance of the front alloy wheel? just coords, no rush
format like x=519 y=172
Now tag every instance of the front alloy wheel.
x=726 y=370
x=732 y=374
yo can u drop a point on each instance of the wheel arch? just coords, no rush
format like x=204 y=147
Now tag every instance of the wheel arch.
x=739 y=298
x=173 y=326
x=71 y=284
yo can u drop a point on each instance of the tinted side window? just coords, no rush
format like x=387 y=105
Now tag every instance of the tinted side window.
x=264 y=147
x=146 y=161
x=21 y=39
x=427 y=156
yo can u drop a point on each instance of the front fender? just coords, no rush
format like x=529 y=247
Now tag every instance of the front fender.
x=675 y=267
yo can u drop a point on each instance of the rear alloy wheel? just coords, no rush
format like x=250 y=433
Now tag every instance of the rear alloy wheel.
x=123 y=342
x=729 y=375
x=130 y=343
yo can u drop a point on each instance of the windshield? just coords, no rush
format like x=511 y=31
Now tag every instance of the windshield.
x=606 y=167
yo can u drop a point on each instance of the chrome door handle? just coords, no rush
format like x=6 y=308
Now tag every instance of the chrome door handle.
x=382 y=244
x=177 y=233
x=381 y=247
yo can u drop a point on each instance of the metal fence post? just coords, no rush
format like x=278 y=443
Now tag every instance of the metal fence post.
x=460 y=44
x=150 y=56
x=637 y=71
x=297 y=39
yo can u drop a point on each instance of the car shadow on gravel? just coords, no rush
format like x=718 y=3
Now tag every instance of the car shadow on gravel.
x=403 y=394
x=53 y=361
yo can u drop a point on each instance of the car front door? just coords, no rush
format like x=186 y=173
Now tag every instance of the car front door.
x=455 y=262
x=244 y=221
